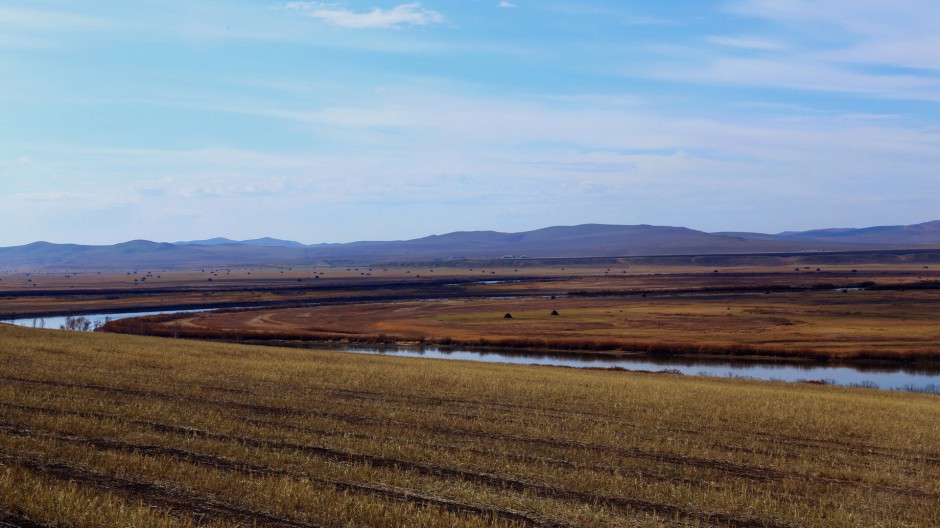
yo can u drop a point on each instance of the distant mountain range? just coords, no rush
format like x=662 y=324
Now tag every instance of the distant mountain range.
x=588 y=240
x=263 y=242
x=924 y=234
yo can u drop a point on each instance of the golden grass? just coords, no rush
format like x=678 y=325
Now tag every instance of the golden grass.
x=857 y=325
x=88 y=292
x=108 y=430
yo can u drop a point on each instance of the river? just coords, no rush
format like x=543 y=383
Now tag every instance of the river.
x=884 y=377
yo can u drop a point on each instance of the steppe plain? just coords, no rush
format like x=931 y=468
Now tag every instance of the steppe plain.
x=99 y=429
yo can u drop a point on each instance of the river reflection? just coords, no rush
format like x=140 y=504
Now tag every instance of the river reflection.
x=58 y=321
x=917 y=378
x=875 y=376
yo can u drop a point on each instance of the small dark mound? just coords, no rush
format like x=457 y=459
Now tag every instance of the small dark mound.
x=507 y=316
x=554 y=312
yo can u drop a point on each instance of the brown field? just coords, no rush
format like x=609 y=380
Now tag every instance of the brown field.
x=36 y=294
x=102 y=430
x=747 y=310
x=819 y=324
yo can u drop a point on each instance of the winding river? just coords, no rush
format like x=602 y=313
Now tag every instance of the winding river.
x=891 y=377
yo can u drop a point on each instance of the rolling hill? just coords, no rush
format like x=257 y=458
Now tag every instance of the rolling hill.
x=264 y=242
x=587 y=240
x=924 y=234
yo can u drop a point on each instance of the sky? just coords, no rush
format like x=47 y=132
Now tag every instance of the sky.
x=353 y=120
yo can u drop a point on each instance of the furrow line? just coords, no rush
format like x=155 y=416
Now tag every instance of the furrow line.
x=10 y=520
x=599 y=417
x=173 y=429
x=758 y=473
x=815 y=443
x=639 y=505
x=226 y=464
x=152 y=493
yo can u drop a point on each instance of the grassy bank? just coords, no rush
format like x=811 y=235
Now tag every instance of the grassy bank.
x=821 y=325
x=109 y=430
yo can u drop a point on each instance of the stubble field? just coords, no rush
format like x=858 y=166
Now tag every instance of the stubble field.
x=106 y=430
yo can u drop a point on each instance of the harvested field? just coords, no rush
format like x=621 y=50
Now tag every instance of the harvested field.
x=109 y=430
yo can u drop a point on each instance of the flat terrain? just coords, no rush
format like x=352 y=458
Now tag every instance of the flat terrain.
x=63 y=293
x=836 y=324
x=884 y=311
x=874 y=312
x=101 y=430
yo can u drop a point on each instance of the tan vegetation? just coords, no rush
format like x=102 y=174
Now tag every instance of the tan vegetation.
x=101 y=430
x=87 y=292
x=819 y=324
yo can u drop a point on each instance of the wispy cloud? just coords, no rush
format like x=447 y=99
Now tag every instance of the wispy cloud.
x=617 y=14
x=745 y=43
x=864 y=18
x=20 y=42
x=802 y=72
x=36 y=19
x=401 y=15
x=260 y=109
x=900 y=34
x=22 y=28
x=868 y=49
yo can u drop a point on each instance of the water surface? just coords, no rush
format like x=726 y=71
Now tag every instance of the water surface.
x=885 y=377
x=58 y=321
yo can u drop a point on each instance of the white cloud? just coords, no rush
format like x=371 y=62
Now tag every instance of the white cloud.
x=617 y=14
x=34 y=19
x=802 y=72
x=507 y=5
x=21 y=42
x=411 y=14
x=470 y=158
x=745 y=43
x=38 y=29
x=908 y=52
x=872 y=49
x=901 y=17
x=903 y=33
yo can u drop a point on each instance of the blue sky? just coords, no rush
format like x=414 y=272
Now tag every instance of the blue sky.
x=351 y=120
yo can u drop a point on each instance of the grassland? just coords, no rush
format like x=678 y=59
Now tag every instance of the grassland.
x=64 y=293
x=100 y=430
x=884 y=325
x=748 y=310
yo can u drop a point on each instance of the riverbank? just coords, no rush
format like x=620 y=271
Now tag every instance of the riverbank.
x=891 y=375
x=864 y=326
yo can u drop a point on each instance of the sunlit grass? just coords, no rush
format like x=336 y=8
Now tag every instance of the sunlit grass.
x=148 y=432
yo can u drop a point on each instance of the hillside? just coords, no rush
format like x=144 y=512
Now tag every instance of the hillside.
x=587 y=240
x=264 y=242
x=925 y=234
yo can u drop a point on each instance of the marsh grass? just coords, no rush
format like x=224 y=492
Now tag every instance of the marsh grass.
x=893 y=326
x=153 y=432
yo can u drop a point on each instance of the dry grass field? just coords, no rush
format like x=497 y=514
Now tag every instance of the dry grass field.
x=63 y=293
x=101 y=430
x=820 y=324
